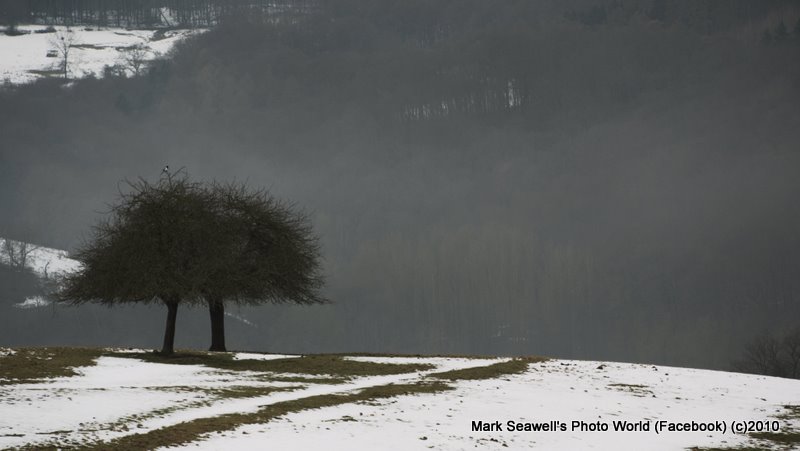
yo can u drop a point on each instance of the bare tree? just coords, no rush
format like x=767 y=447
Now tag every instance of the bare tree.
x=791 y=354
x=62 y=42
x=135 y=58
x=16 y=252
x=762 y=356
x=772 y=356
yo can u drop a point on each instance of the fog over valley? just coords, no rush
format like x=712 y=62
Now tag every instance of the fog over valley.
x=601 y=180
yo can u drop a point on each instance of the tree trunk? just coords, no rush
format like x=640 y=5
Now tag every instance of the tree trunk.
x=216 y=310
x=169 y=332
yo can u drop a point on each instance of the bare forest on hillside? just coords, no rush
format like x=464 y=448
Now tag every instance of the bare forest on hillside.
x=591 y=179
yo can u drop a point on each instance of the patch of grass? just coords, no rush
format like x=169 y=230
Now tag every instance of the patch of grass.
x=417 y=356
x=777 y=438
x=493 y=371
x=630 y=387
x=55 y=73
x=785 y=438
x=338 y=366
x=792 y=414
x=333 y=365
x=344 y=419
x=214 y=394
x=743 y=448
x=136 y=419
x=241 y=391
x=132 y=422
x=301 y=379
x=88 y=46
x=28 y=365
x=190 y=431
x=635 y=389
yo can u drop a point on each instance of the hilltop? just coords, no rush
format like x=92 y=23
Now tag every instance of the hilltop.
x=86 y=398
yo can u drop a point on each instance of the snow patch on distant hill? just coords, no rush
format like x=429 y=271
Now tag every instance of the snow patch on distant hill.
x=33 y=302
x=43 y=261
x=24 y=58
x=47 y=263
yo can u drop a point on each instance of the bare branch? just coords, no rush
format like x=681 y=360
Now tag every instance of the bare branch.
x=62 y=42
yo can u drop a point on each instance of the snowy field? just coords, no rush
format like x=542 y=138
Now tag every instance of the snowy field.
x=47 y=263
x=43 y=261
x=24 y=58
x=120 y=397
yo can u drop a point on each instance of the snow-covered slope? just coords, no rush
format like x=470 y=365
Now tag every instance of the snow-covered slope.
x=554 y=393
x=571 y=396
x=46 y=263
x=24 y=58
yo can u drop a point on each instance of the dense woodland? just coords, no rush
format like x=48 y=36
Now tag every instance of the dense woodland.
x=431 y=18
x=591 y=179
x=146 y=13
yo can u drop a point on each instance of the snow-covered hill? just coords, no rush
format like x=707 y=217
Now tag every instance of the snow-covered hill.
x=46 y=263
x=43 y=261
x=24 y=58
x=120 y=399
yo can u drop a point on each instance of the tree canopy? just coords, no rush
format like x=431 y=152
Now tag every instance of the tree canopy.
x=178 y=241
x=149 y=248
x=270 y=255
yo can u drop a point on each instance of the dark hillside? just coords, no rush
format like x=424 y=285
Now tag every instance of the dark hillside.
x=610 y=180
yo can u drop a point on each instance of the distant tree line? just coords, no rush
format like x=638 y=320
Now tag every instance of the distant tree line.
x=706 y=16
x=144 y=13
x=772 y=355
x=781 y=33
x=712 y=16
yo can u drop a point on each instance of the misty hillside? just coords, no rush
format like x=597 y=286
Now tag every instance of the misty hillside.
x=614 y=180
